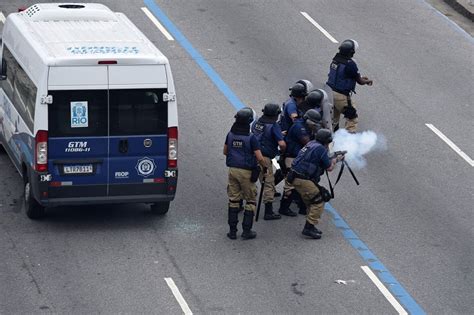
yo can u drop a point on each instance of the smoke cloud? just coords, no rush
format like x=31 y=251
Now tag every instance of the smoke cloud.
x=357 y=145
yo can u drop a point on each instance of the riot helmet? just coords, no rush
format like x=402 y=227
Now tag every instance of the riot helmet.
x=348 y=47
x=312 y=119
x=244 y=116
x=315 y=98
x=324 y=136
x=271 y=109
x=298 y=90
x=307 y=84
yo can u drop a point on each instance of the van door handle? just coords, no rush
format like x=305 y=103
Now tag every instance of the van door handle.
x=123 y=146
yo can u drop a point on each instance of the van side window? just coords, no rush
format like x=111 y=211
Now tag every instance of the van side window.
x=19 y=88
x=138 y=112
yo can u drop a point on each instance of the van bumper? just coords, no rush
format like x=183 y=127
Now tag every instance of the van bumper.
x=52 y=202
x=49 y=196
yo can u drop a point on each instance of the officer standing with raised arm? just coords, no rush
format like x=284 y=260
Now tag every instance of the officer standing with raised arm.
x=268 y=133
x=342 y=78
x=300 y=133
x=305 y=174
x=242 y=152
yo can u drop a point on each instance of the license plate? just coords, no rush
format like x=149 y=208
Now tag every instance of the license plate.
x=78 y=169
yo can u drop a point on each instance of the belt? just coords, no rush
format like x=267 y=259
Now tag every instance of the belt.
x=300 y=176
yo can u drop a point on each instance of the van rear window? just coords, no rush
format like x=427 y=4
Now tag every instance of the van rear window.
x=76 y=113
x=138 y=112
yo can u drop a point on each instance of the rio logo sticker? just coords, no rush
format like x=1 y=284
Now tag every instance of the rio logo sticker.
x=79 y=115
x=145 y=167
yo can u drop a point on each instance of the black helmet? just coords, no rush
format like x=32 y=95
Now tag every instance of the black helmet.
x=315 y=98
x=271 y=109
x=324 y=136
x=307 y=84
x=244 y=116
x=348 y=47
x=298 y=90
x=312 y=118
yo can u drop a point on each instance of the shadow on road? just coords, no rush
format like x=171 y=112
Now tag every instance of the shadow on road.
x=101 y=218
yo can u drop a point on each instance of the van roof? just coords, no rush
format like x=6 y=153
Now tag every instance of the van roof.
x=64 y=34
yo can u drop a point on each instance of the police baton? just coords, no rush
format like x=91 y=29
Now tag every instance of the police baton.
x=261 y=194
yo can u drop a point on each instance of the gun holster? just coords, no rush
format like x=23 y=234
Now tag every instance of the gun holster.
x=325 y=194
x=349 y=111
x=255 y=174
x=290 y=177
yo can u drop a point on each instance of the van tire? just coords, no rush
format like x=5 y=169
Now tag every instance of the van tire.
x=34 y=210
x=160 y=208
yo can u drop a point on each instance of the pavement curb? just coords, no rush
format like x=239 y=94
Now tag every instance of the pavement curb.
x=464 y=7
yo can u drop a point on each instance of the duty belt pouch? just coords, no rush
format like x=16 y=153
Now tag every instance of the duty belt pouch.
x=290 y=177
x=255 y=174
x=325 y=194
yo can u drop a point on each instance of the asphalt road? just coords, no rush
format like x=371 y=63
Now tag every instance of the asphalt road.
x=413 y=210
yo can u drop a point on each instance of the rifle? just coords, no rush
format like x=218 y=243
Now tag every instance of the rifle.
x=261 y=194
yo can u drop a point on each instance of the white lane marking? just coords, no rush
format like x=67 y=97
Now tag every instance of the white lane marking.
x=277 y=166
x=319 y=27
x=384 y=290
x=2 y=17
x=451 y=144
x=178 y=296
x=157 y=23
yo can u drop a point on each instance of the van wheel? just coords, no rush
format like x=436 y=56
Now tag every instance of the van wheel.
x=160 y=207
x=34 y=210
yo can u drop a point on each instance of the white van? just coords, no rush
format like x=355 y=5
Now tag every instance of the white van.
x=88 y=112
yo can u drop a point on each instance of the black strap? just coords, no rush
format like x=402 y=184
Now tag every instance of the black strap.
x=330 y=185
x=340 y=174
x=350 y=170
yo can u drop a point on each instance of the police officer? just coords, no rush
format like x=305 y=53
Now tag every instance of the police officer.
x=318 y=100
x=305 y=174
x=290 y=108
x=268 y=133
x=300 y=133
x=242 y=152
x=342 y=78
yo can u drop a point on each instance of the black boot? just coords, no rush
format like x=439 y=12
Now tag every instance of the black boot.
x=311 y=231
x=269 y=215
x=233 y=219
x=247 y=223
x=285 y=206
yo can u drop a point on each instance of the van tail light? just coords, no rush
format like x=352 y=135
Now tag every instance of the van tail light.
x=173 y=147
x=41 y=152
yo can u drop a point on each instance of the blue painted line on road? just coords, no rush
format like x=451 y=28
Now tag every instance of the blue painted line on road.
x=374 y=263
x=179 y=37
x=385 y=276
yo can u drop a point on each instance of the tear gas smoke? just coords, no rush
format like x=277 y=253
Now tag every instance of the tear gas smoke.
x=357 y=145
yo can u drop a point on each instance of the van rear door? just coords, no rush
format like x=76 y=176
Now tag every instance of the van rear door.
x=78 y=132
x=138 y=147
